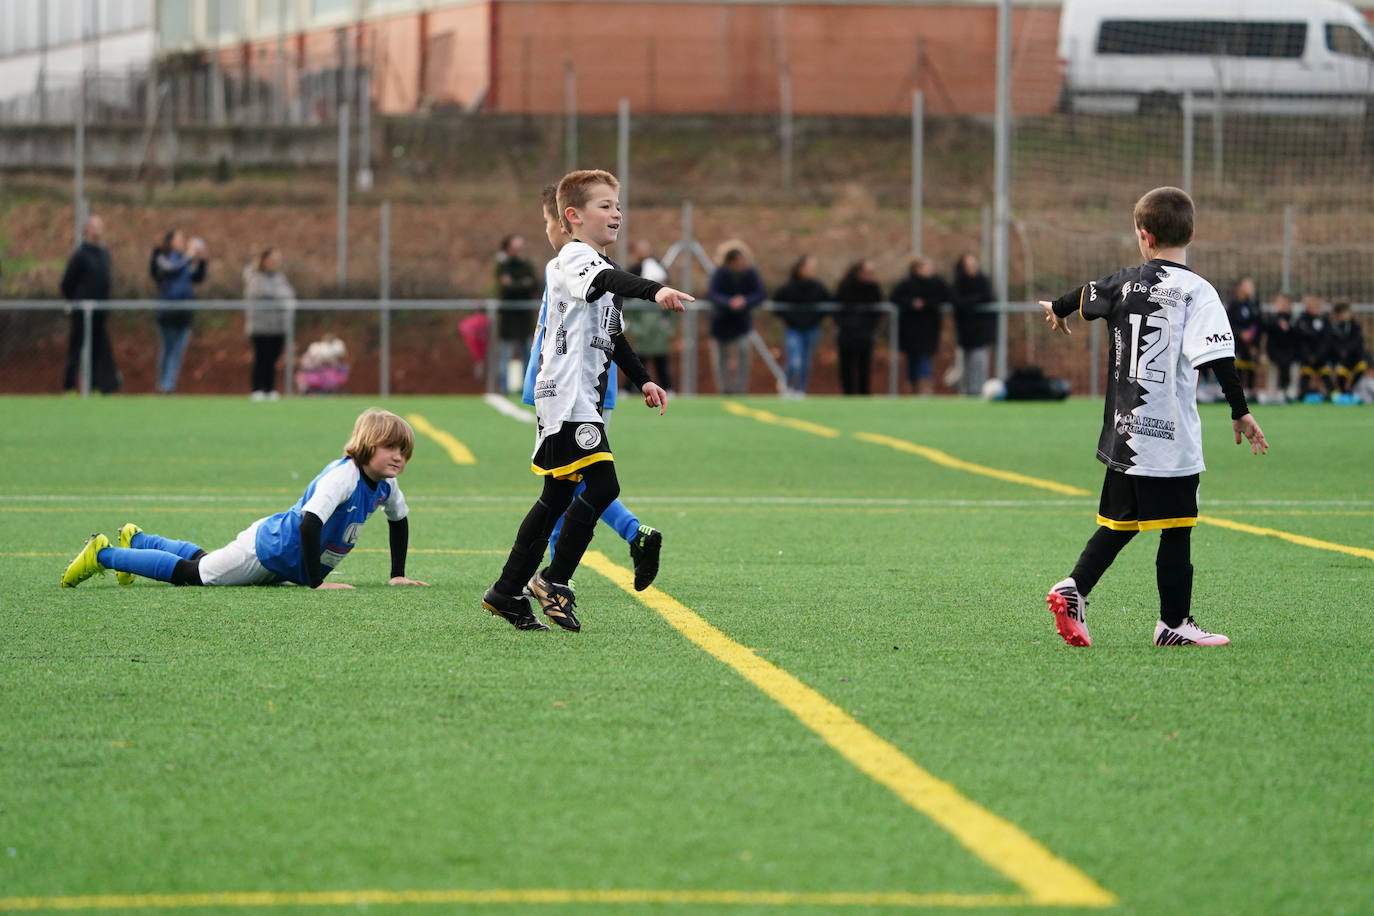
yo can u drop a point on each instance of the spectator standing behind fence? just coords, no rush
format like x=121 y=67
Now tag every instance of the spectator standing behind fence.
x=1346 y=354
x=88 y=277
x=1244 y=313
x=516 y=281
x=651 y=330
x=176 y=268
x=918 y=297
x=798 y=299
x=1312 y=330
x=975 y=324
x=857 y=321
x=1281 y=344
x=734 y=291
x=266 y=325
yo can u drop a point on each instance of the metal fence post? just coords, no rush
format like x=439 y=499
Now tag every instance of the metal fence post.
x=289 y=365
x=690 y=322
x=87 y=350
x=893 y=338
x=569 y=116
x=384 y=343
x=364 y=130
x=1187 y=142
x=341 y=275
x=1002 y=182
x=622 y=147
x=917 y=168
x=785 y=128
x=493 y=348
x=1288 y=235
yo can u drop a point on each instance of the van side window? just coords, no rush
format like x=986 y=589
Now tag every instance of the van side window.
x=1342 y=39
x=1204 y=37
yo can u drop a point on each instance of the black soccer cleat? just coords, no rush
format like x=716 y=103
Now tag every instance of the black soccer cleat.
x=516 y=611
x=644 y=550
x=557 y=600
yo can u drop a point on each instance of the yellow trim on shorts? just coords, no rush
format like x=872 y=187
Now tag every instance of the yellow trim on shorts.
x=570 y=470
x=1081 y=293
x=1155 y=524
x=1149 y=524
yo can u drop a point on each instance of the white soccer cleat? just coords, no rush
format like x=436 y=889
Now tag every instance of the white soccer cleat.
x=1070 y=613
x=1187 y=633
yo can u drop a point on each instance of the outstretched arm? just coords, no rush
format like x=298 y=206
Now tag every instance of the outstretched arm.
x=400 y=542
x=1060 y=309
x=623 y=283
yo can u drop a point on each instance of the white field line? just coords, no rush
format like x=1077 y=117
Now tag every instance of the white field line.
x=503 y=406
x=743 y=499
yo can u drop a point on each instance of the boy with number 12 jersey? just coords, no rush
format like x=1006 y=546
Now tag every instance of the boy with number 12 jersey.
x=582 y=335
x=1165 y=323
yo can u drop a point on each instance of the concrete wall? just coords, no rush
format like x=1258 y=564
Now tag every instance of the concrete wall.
x=673 y=58
x=699 y=57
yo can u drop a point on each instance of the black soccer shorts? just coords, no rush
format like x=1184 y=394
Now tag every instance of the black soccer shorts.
x=1131 y=502
x=574 y=446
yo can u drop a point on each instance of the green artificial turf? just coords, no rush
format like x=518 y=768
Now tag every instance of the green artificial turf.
x=161 y=740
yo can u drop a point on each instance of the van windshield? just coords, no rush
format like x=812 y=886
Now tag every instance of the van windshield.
x=1342 y=39
x=1203 y=37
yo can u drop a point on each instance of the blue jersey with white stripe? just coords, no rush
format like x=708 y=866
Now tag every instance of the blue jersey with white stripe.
x=343 y=499
x=532 y=367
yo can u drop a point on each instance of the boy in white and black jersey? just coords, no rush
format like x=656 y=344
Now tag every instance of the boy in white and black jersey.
x=582 y=336
x=1164 y=323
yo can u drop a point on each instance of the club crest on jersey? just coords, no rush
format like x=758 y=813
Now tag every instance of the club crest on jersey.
x=587 y=436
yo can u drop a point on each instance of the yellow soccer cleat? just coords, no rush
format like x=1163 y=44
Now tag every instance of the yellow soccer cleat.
x=86 y=565
x=126 y=535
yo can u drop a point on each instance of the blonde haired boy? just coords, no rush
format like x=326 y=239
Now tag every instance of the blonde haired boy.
x=1166 y=323
x=303 y=544
x=582 y=336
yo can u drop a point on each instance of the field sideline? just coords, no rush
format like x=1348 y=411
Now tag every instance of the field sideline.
x=844 y=694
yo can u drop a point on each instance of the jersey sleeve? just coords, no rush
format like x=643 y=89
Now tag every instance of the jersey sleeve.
x=333 y=489
x=1099 y=295
x=395 y=506
x=1207 y=331
x=580 y=265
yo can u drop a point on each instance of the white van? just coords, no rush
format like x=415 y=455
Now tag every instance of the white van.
x=1258 y=56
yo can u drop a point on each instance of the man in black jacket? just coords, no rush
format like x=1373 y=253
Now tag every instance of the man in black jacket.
x=87 y=277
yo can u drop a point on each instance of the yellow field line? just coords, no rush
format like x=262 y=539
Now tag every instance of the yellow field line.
x=764 y=416
x=940 y=457
x=1302 y=539
x=459 y=452
x=545 y=896
x=949 y=461
x=1046 y=878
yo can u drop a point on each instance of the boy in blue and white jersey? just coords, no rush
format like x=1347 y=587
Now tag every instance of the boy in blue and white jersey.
x=646 y=543
x=303 y=544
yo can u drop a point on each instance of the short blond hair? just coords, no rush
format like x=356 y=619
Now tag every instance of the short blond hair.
x=575 y=190
x=376 y=428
